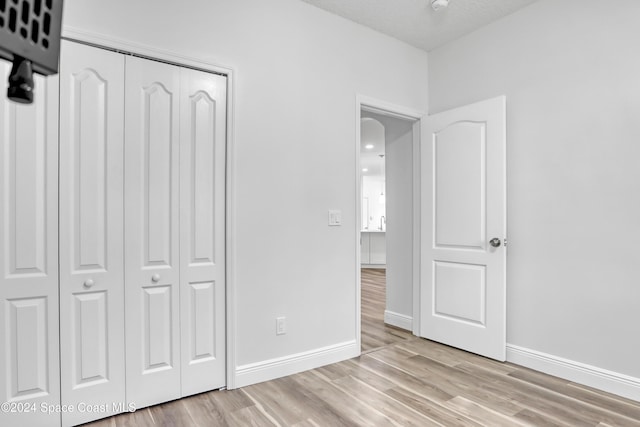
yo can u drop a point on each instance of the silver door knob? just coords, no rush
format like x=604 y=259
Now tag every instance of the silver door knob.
x=155 y=278
x=89 y=283
x=495 y=242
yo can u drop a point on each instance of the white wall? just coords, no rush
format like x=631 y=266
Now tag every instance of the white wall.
x=399 y=147
x=571 y=73
x=297 y=71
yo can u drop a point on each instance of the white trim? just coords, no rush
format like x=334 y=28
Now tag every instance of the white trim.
x=358 y=218
x=378 y=266
x=592 y=376
x=282 y=366
x=126 y=46
x=230 y=231
x=417 y=216
x=108 y=42
x=398 y=320
x=386 y=109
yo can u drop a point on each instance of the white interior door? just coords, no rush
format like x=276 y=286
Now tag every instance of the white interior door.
x=152 y=263
x=29 y=354
x=91 y=231
x=463 y=205
x=202 y=230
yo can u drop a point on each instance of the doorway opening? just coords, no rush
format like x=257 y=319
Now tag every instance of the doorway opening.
x=387 y=140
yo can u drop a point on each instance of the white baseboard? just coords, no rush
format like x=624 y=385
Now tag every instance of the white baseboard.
x=282 y=366
x=602 y=379
x=378 y=266
x=398 y=320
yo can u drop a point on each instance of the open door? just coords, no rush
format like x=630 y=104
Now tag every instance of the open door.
x=463 y=232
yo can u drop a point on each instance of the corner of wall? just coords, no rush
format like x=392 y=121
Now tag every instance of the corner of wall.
x=398 y=320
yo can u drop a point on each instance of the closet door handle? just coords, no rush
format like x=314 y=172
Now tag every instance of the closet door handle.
x=89 y=283
x=155 y=278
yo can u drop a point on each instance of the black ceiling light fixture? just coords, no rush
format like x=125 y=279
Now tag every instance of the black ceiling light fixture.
x=30 y=38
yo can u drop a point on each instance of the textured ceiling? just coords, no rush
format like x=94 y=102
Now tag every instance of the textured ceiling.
x=415 y=22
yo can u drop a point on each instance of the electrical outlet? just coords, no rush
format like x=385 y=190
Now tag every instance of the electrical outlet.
x=281 y=325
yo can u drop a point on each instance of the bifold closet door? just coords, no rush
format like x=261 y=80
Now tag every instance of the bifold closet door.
x=29 y=353
x=152 y=263
x=202 y=230
x=91 y=232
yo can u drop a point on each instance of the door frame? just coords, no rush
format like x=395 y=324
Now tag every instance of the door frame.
x=148 y=52
x=385 y=108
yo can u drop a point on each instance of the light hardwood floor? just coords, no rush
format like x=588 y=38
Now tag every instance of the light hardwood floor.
x=375 y=333
x=399 y=380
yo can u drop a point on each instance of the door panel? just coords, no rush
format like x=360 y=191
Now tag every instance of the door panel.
x=29 y=360
x=460 y=220
x=459 y=291
x=91 y=229
x=202 y=225
x=156 y=174
x=157 y=329
x=90 y=333
x=463 y=205
x=152 y=231
x=27 y=342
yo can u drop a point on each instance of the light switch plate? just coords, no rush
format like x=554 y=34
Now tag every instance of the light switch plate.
x=281 y=325
x=335 y=217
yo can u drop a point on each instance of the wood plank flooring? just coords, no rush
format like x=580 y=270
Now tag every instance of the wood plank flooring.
x=375 y=333
x=399 y=380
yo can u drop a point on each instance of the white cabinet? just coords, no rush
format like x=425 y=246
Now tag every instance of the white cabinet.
x=373 y=248
x=378 y=248
x=365 y=244
x=29 y=352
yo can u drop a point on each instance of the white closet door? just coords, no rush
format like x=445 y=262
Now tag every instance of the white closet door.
x=29 y=361
x=91 y=231
x=202 y=230
x=152 y=229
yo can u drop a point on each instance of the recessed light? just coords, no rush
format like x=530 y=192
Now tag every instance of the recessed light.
x=365 y=170
x=439 y=4
x=368 y=146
